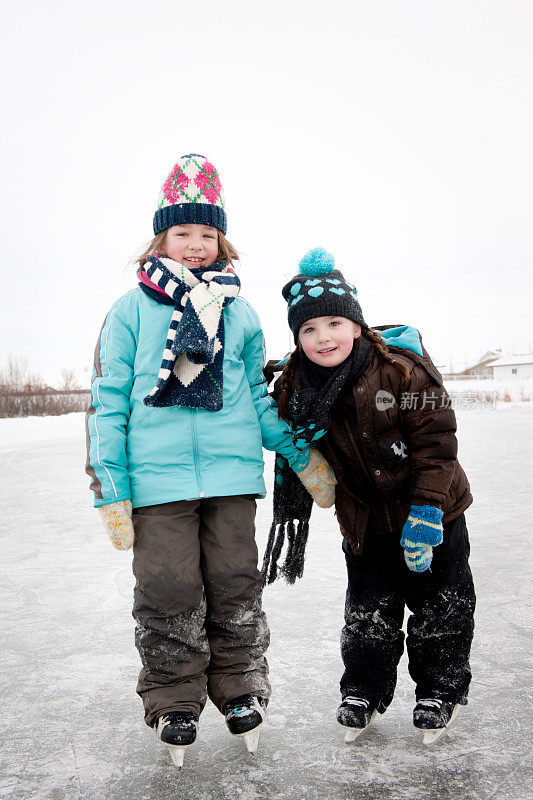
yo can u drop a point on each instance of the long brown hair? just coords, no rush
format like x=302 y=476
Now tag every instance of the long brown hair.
x=374 y=337
x=288 y=382
x=226 y=251
x=289 y=376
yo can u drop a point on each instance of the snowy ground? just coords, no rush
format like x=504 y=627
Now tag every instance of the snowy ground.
x=72 y=723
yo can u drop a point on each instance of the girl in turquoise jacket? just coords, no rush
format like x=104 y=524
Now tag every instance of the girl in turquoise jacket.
x=179 y=415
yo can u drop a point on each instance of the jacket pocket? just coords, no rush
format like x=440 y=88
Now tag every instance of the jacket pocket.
x=393 y=452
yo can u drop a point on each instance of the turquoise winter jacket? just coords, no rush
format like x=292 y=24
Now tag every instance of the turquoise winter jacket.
x=157 y=455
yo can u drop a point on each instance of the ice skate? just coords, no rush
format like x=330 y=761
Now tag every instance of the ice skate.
x=355 y=714
x=244 y=717
x=177 y=730
x=433 y=716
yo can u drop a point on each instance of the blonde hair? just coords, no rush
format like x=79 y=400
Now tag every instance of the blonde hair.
x=226 y=251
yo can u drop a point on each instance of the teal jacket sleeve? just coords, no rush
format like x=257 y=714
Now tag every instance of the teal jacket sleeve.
x=108 y=415
x=275 y=432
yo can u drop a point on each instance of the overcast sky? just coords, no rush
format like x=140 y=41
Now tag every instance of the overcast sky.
x=398 y=135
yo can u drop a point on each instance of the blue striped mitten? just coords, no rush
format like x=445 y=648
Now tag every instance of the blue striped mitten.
x=420 y=534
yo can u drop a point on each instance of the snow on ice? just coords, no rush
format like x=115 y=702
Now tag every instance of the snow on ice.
x=73 y=725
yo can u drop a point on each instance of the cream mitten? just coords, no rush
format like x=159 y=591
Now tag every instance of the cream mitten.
x=118 y=524
x=319 y=479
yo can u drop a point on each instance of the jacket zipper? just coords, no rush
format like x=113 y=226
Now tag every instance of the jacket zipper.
x=195 y=452
x=388 y=518
x=387 y=515
x=351 y=438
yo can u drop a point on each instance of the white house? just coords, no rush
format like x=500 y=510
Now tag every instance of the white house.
x=515 y=366
x=481 y=369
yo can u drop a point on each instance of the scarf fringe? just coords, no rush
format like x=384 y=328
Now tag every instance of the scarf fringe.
x=294 y=563
x=293 y=566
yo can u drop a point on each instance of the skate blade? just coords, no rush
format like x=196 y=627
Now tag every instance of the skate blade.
x=353 y=733
x=251 y=739
x=431 y=735
x=177 y=752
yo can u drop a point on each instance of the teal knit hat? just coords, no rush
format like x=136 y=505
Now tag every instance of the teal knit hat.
x=320 y=290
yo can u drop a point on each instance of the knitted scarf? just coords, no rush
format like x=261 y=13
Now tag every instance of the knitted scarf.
x=191 y=369
x=309 y=417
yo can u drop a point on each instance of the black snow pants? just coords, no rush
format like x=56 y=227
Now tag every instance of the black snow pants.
x=197 y=604
x=439 y=630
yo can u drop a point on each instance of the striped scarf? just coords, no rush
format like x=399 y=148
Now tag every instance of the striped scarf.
x=191 y=369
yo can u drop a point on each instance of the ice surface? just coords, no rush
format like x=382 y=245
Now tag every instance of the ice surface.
x=72 y=723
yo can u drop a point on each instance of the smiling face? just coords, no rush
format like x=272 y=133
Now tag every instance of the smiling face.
x=328 y=341
x=194 y=246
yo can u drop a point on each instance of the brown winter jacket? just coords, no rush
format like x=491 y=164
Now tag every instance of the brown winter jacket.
x=394 y=449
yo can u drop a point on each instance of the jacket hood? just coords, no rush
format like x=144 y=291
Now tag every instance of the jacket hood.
x=404 y=336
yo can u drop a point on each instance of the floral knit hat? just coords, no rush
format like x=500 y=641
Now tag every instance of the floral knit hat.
x=192 y=193
x=320 y=290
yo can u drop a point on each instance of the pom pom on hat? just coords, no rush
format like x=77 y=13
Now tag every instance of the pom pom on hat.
x=317 y=262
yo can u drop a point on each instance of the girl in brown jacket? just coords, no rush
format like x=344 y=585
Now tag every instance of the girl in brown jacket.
x=374 y=404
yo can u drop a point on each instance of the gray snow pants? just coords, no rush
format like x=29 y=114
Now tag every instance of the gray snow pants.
x=197 y=604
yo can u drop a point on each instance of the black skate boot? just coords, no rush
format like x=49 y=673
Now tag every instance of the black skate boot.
x=177 y=730
x=433 y=716
x=355 y=714
x=244 y=717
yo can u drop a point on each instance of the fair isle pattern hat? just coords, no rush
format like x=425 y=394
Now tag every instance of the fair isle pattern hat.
x=320 y=290
x=192 y=193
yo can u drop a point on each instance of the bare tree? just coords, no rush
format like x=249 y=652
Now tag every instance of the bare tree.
x=69 y=379
x=23 y=394
x=16 y=377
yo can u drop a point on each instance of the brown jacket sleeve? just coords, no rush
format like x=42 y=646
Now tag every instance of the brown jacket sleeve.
x=429 y=424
